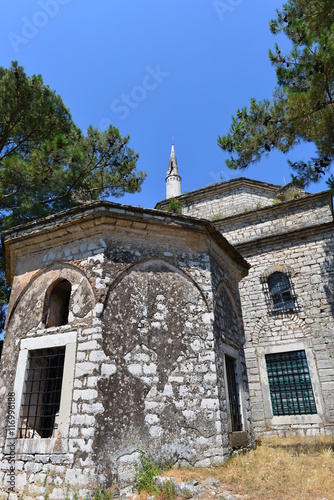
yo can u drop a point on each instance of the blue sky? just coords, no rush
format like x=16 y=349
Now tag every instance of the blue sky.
x=154 y=68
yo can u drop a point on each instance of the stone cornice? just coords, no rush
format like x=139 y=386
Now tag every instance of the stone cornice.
x=297 y=234
x=278 y=208
x=225 y=187
x=95 y=215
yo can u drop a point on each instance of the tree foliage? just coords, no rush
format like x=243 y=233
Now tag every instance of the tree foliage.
x=301 y=110
x=46 y=163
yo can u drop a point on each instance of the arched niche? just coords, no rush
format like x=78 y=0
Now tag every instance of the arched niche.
x=155 y=324
x=31 y=308
x=57 y=303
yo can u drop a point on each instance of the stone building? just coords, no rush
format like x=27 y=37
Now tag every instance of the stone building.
x=124 y=335
x=286 y=235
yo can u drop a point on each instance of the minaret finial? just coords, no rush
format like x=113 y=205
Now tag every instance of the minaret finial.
x=173 y=179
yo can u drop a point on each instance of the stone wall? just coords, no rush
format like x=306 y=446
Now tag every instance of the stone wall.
x=237 y=201
x=293 y=237
x=279 y=219
x=310 y=262
x=144 y=350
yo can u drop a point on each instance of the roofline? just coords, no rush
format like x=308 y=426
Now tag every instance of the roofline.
x=102 y=208
x=277 y=207
x=297 y=233
x=220 y=187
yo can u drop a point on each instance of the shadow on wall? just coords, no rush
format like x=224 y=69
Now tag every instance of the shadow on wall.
x=1 y=345
x=327 y=273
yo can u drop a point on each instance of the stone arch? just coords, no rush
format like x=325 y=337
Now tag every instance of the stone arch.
x=156 y=323
x=28 y=310
x=267 y=324
x=145 y=264
x=277 y=268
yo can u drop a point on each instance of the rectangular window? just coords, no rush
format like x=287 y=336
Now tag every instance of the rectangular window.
x=290 y=384
x=233 y=394
x=41 y=396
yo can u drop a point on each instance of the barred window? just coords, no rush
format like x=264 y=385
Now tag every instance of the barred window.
x=290 y=384
x=233 y=394
x=41 y=397
x=279 y=292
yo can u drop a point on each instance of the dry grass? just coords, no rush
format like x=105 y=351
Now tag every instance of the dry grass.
x=289 y=468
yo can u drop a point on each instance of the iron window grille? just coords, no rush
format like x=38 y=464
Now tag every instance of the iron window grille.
x=41 y=398
x=233 y=394
x=279 y=293
x=290 y=384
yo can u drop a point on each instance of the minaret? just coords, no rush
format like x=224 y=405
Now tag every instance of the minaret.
x=173 y=180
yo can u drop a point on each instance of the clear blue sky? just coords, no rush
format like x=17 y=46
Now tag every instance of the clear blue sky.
x=153 y=68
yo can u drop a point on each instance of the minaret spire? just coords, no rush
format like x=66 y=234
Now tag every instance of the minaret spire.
x=173 y=179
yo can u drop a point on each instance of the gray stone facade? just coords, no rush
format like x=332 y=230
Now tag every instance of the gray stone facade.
x=284 y=232
x=153 y=314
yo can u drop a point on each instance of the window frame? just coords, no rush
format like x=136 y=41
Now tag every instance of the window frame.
x=58 y=443
x=234 y=353
x=288 y=393
x=281 y=307
x=315 y=418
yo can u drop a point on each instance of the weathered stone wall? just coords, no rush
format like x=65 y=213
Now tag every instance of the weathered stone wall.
x=294 y=237
x=237 y=201
x=309 y=259
x=147 y=360
x=279 y=219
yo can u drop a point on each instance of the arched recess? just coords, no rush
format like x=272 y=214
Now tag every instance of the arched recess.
x=228 y=319
x=289 y=325
x=29 y=309
x=158 y=265
x=57 y=303
x=155 y=322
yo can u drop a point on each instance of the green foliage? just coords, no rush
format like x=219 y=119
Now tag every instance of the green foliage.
x=168 y=491
x=290 y=194
x=216 y=217
x=145 y=473
x=46 y=163
x=103 y=494
x=147 y=470
x=301 y=109
x=174 y=206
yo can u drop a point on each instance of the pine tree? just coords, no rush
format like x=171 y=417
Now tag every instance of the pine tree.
x=301 y=110
x=46 y=163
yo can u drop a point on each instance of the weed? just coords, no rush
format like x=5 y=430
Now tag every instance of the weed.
x=103 y=494
x=216 y=217
x=168 y=491
x=186 y=494
x=145 y=472
x=174 y=206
